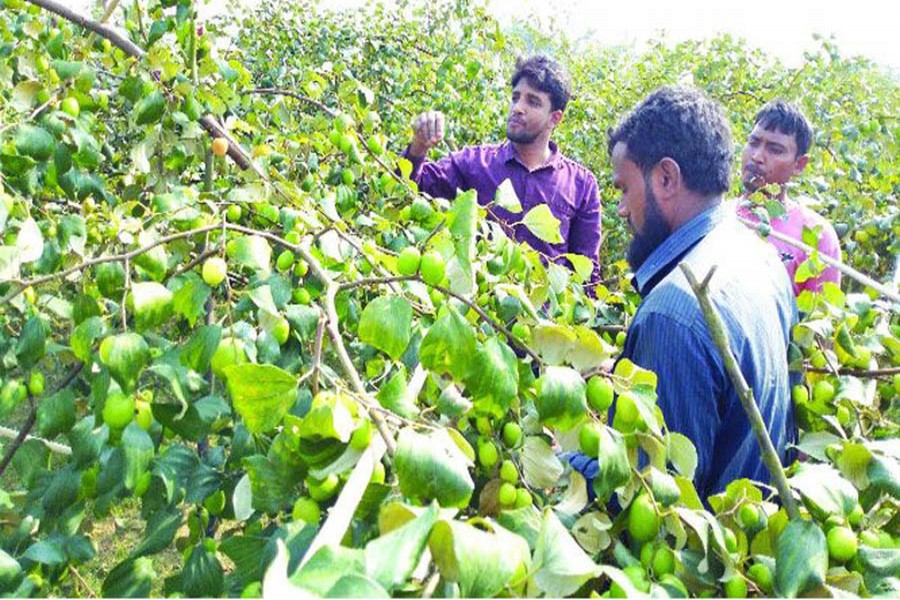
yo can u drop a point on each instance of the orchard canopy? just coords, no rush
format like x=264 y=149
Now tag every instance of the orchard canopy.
x=208 y=336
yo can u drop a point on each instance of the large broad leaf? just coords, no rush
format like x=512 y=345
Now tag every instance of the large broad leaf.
x=560 y=567
x=262 y=394
x=160 y=532
x=540 y=466
x=433 y=467
x=330 y=416
x=614 y=470
x=190 y=299
x=132 y=578
x=125 y=355
x=505 y=197
x=83 y=336
x=32 y=343
x=393 y=395
x=824 y=490
x=588 y=351
x=253 y=252
x=202 y=576
x=138 y=448
x=327 y=567
x=355 y=585
x=561 y=400
x=30 y=241
x=151 y=303
x=272 y=483
x=681 y=451
x=494 y=380
x=541 y=222
x=386 y=324
x=462 y=219
x=801 y=558
x=391 y=558
x=449 y=346
x=482 y=563
x=553 y=342
x=201 y=347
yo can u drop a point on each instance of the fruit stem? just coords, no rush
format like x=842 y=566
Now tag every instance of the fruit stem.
x=745 y=394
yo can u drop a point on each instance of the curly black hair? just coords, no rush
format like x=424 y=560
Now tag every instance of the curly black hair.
x=546 y=75
x=784 y=117
x=685 y=125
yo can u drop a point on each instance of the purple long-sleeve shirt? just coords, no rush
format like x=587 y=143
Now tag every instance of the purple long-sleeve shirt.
x=568 y=188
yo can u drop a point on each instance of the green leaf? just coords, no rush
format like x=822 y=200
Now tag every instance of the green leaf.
x=34 y=142
x=151 y=303
x=561 y=400
x=32 y=343
x=614 y=468
x=160 y=532
x=56 y=414
x=202 y=576
x=481 y=562
x=541 y=222
x=494 y=380
x=126 y=356
x=150 y=108
x=355 y=585
x=29 y=241
x=449 y=346
x=560 y=567
x=682 y=453
x=253 y=252
x=261 y=394
x=327 y=567
x=553 y=342
x=540 y=466
x=190 y=300
x=432 y=467
x=272 y=484
x=801 y=558
x=393 y=396
x=583 y=266
x=824 y=490
x=328 y=417
x=462 y=219
x=391 y=559
x=132 y=578
x=588 y=351
x=201 y=347
x=385 y=323
x=9 y=569
x=45 y=552
x=138 y=449
x=506 y=198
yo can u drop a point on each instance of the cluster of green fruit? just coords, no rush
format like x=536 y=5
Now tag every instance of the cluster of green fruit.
x=430 y=266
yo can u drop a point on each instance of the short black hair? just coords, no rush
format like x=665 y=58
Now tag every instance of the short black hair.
x=787 y=118
x=685 y=125
x=546 y=75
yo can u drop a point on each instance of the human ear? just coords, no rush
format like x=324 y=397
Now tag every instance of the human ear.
x=800 y=163
x=667 y=177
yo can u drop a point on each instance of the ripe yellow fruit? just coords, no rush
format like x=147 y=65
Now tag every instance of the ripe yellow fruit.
x=214 y=271
x=220 y=146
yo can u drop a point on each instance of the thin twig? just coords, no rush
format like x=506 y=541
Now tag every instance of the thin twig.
x=317 y=355
x=745 y=393
x=857 y=372
x=848 y=271
x=91 y=593
x=330 y=112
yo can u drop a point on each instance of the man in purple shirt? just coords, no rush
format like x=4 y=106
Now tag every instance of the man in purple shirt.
x=537 y=170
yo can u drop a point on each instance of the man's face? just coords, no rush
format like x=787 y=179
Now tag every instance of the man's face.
x=530 y=114
x=770 y=157
x=639 y=206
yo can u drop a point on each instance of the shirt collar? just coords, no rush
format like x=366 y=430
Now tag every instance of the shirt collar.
x=508 y=153
x=679 y=242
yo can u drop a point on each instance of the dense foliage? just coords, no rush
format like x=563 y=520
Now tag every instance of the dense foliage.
x=308 y=375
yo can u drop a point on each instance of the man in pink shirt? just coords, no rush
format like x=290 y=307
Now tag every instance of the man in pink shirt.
x=775 y=152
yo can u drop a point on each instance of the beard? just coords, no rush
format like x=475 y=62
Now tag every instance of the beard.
x=652 y=234
x=522 y=137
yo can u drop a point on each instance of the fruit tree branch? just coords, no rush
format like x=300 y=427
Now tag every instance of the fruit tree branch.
x=848 y=271
x=236 y=153
x=745 y=394
x=858 y=372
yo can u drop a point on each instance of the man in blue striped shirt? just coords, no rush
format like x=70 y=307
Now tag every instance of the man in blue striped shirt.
x=671 y=161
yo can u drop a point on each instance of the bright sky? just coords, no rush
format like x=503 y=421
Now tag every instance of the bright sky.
x=781 y=27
